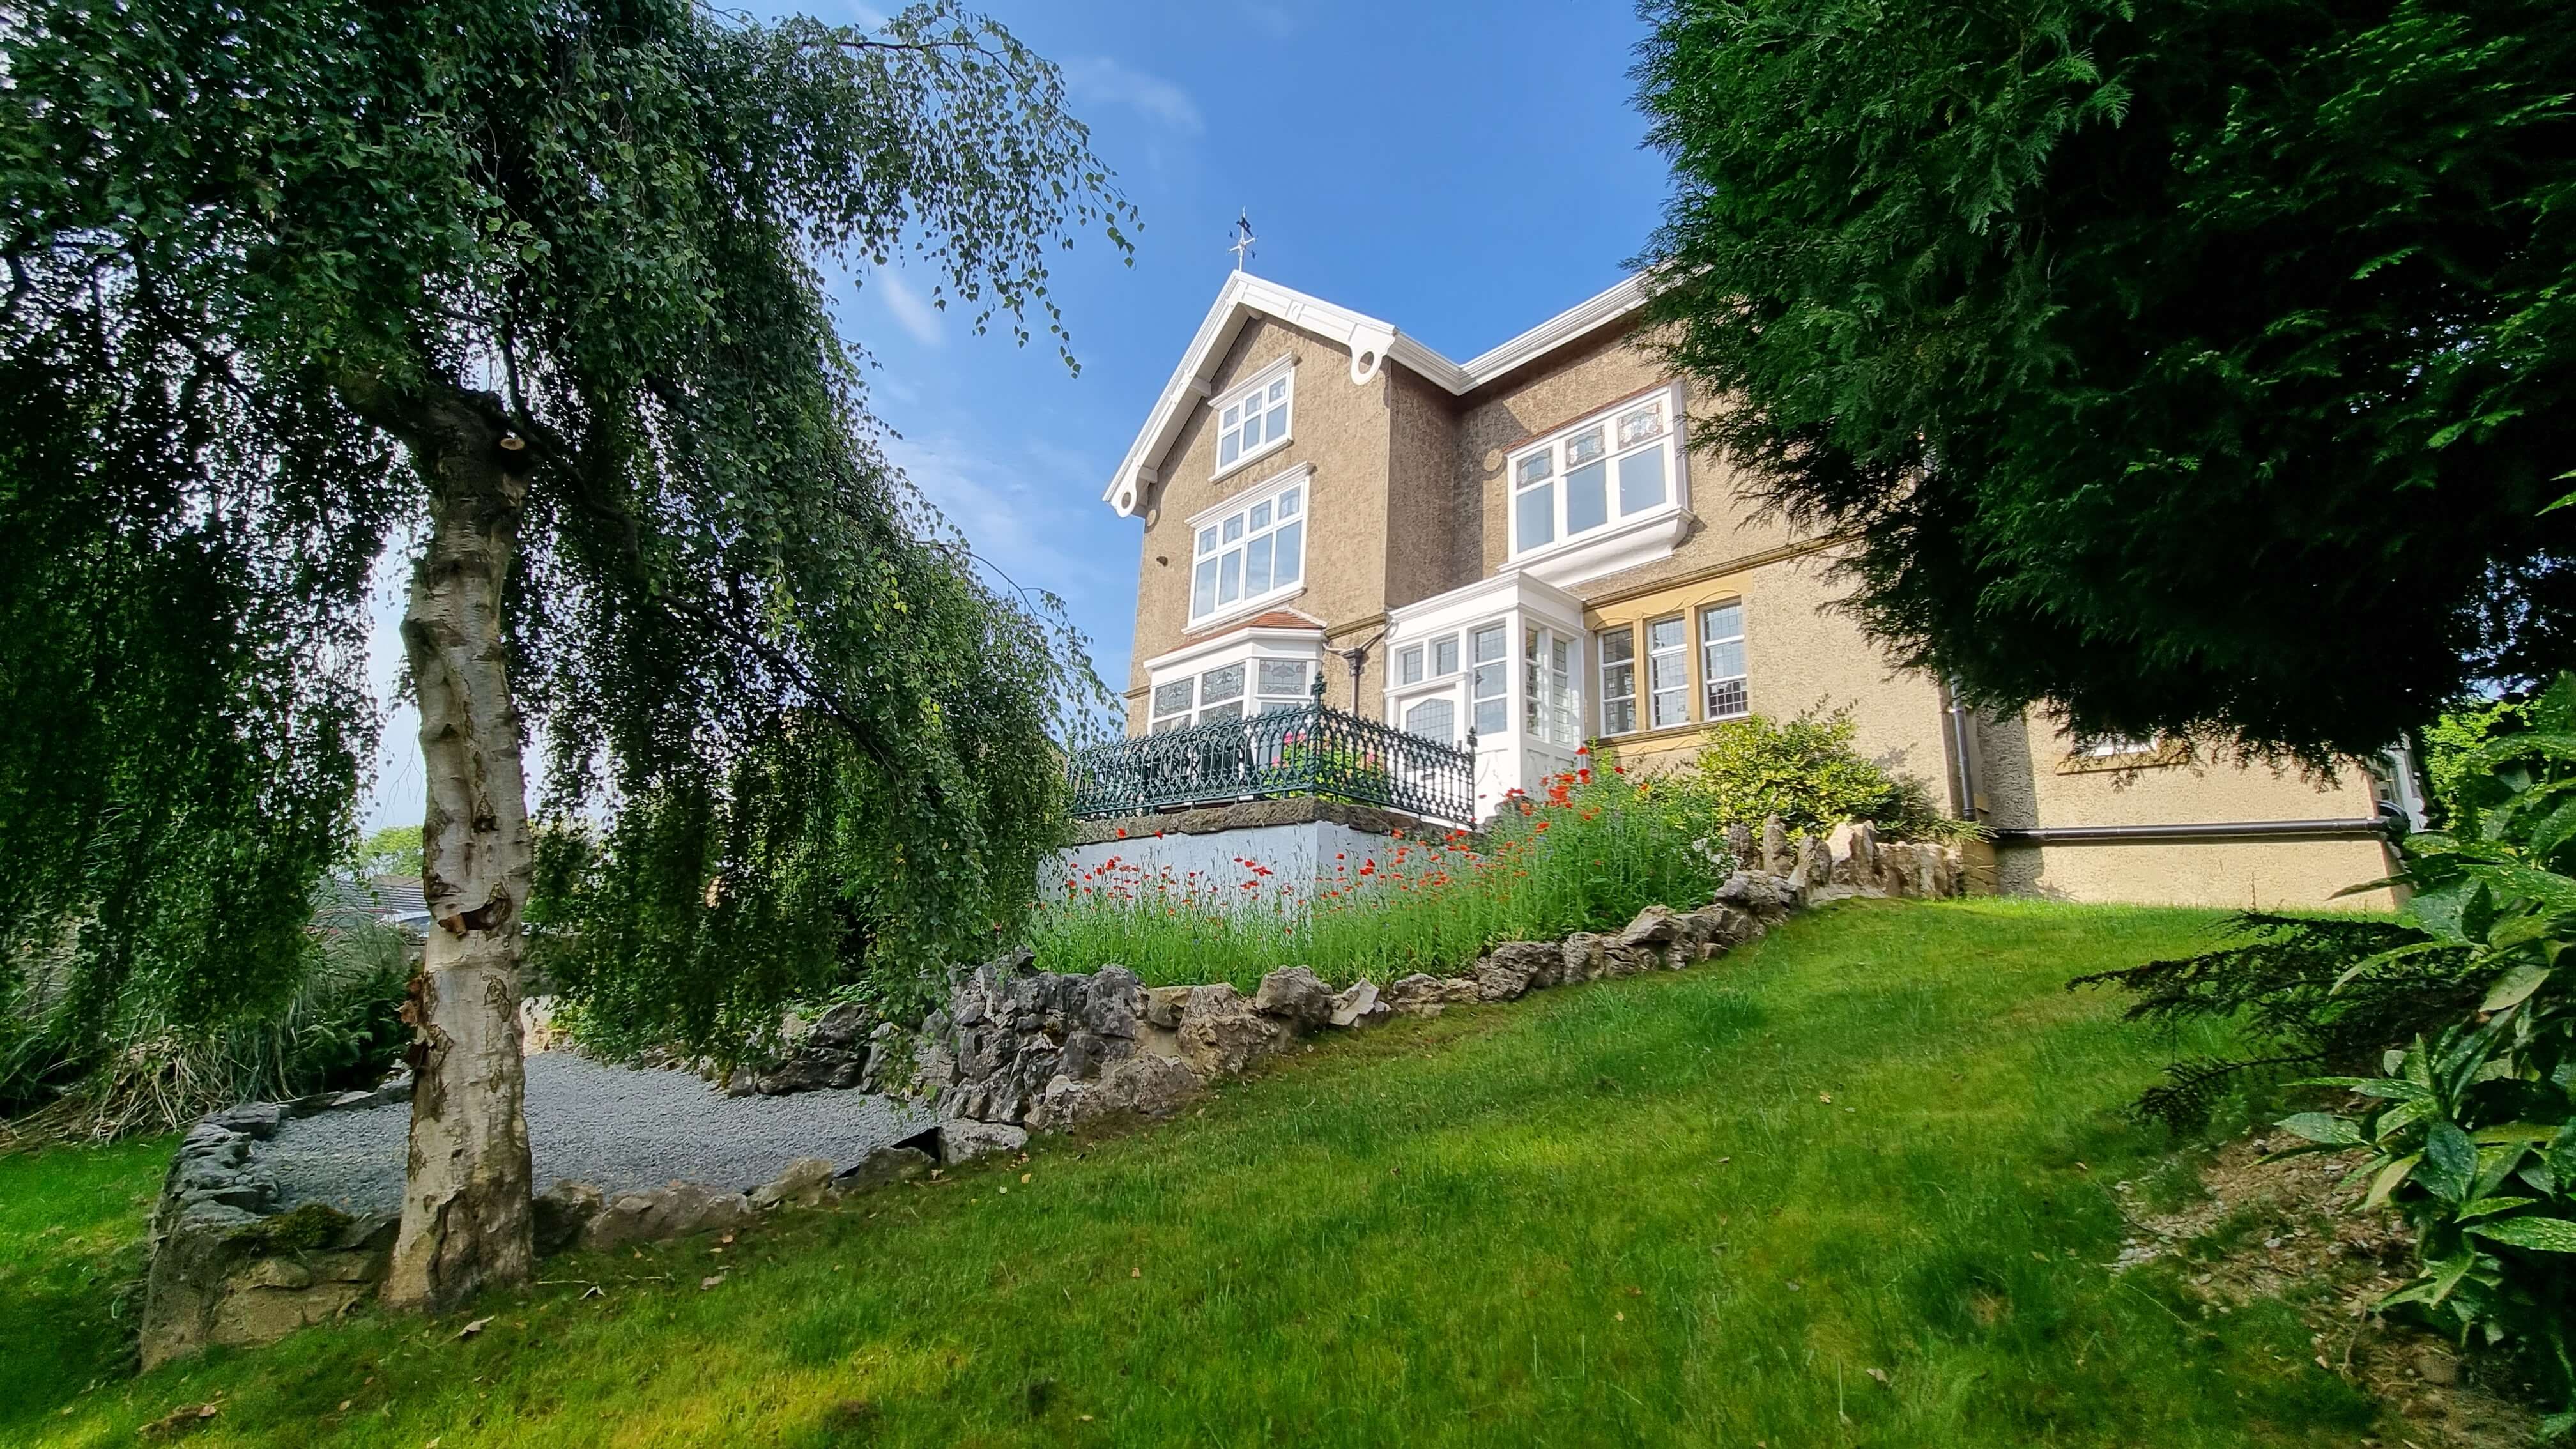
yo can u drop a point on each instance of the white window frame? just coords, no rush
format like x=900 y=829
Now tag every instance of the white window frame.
x=1252 y=695
x=1551 y=705
x=1280 y=417
x=1680 y=688
x=1552 y=454
x=1500 y=630
x=1209 y=546
x=1709 y=678
x=1603 y=664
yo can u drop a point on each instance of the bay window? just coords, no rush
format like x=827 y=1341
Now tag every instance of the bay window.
x=1547 y=686
x=1603 y=471
x=1221 y=693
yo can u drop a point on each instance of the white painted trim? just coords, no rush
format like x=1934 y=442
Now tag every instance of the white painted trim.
x=1253 y=387
x=1370 y=343
x=1628 y=544
x=1193 y=658
x=1279 y=482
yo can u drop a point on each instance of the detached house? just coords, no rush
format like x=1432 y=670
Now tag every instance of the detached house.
x=1525 y=545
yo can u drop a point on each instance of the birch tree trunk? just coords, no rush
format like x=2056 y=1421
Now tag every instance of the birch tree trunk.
x=466 y=1207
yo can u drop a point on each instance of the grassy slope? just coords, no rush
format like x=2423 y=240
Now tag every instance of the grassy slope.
x=1576 y=1220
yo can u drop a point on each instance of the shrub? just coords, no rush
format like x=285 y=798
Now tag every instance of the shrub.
x=1808 y=772
x=1587 y=854
x=2471 y=1131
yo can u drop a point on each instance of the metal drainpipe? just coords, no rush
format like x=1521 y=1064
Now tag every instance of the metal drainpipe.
x=1963 y=774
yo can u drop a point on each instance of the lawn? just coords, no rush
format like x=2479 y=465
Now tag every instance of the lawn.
x=1856 y=1185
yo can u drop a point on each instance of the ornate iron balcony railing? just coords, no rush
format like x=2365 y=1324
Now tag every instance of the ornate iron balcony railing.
x=1308 y=750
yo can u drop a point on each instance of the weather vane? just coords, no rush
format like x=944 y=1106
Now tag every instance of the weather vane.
x=1243 y=239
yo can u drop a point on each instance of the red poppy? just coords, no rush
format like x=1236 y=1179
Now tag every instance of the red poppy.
x=1122 y=832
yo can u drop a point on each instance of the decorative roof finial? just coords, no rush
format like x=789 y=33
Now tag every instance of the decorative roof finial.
x=1243 y=239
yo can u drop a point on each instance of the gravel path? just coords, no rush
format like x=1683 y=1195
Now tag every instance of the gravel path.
x=617 y=1127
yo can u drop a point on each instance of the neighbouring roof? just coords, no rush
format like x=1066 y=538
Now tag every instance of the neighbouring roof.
x=1371 y=343
x=388 y=898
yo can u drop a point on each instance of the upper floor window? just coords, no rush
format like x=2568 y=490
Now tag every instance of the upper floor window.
x=1602 y=471
x=1250 y=554
x=1255 y=420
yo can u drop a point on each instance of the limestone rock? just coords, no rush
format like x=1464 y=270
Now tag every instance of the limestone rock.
x=1358 y=1005
x=1739 y=846
x=1580 y=957
x=1220 y=1034
x=1776 y=856
x=1143 y=1086
x=1164 y=1005
x=563 y=1211
x=1815 y=865
x=1654 y=926
x=899 y=1163
x=966 y=1141
x=805 y=1182
x=677 y=1210
x=1294 y=994
x=1853 y=847
x=1515 y=967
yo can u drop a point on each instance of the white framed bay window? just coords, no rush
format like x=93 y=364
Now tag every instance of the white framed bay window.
x=1614 y=471
x=1240 y=687
x=1250 y=549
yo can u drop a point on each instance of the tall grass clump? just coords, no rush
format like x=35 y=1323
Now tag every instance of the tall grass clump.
x=338 y=1025
x=1584 y=855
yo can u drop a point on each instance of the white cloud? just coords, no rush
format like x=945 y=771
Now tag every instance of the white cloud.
x=1098 y=80
x=911 y=312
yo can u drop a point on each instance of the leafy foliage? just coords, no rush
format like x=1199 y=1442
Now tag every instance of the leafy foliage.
x=2205 y=368
x=257 y=252
x=2288 y=982
x=2473 y=1135
x=2451 y=745
x=1587 y=854
x=394 y=850
x=1808 y=772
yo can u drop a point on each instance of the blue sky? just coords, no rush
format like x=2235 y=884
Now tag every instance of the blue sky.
x=1461 y=169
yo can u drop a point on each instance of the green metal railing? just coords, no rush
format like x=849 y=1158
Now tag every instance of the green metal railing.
x=1308 y=750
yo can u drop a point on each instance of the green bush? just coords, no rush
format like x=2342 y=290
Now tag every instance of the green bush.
x=1587 y=854
x=2472 y=1135
x=1806 y=771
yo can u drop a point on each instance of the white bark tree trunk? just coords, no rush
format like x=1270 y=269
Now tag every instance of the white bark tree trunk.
x=466 y=1215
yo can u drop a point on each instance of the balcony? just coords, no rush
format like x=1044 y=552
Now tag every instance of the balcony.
x=1309 y=751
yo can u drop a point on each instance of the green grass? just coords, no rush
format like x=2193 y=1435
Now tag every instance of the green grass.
x=1574 y=1220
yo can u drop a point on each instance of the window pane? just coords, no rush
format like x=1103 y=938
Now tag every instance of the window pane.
x=1283 y=677
x=1444 y=655
x=1641 y=481
x=1251 y=431
x=1433 y=719
x=1217 y=684
x=1587 y=498
x=1278 y=423
x=1489 y=717
x=1203 y=587
x=1279 y=389
x=1408 y=666
x=1232 y=416
x=1229 y=578
x=1234 y=528
x=1488 y=682
x=1173 y=698
x=1288 y=503
x=1726 y=621
x=1618 y=646
x=1489 y=643
x=1636 y=427
x=1534 y=467
x=1260 y=515
x=1723 y=660
x=1207 y=540
x=1222 y=711
x=1618 y=716
x=1726 y=698
x=1290 y=554
x=1582 y=448
x=1256 y=566
x=1535 y=513
x=1667 y=674
x=1177 y=721
x=1227 y=447
x=1664 y=634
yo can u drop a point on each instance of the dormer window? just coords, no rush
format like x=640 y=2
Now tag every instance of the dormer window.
x=1613 y=468
x=1249 y=550
x=1254 y=419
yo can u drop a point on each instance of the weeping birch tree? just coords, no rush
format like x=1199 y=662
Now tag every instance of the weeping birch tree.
x=536 y=289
